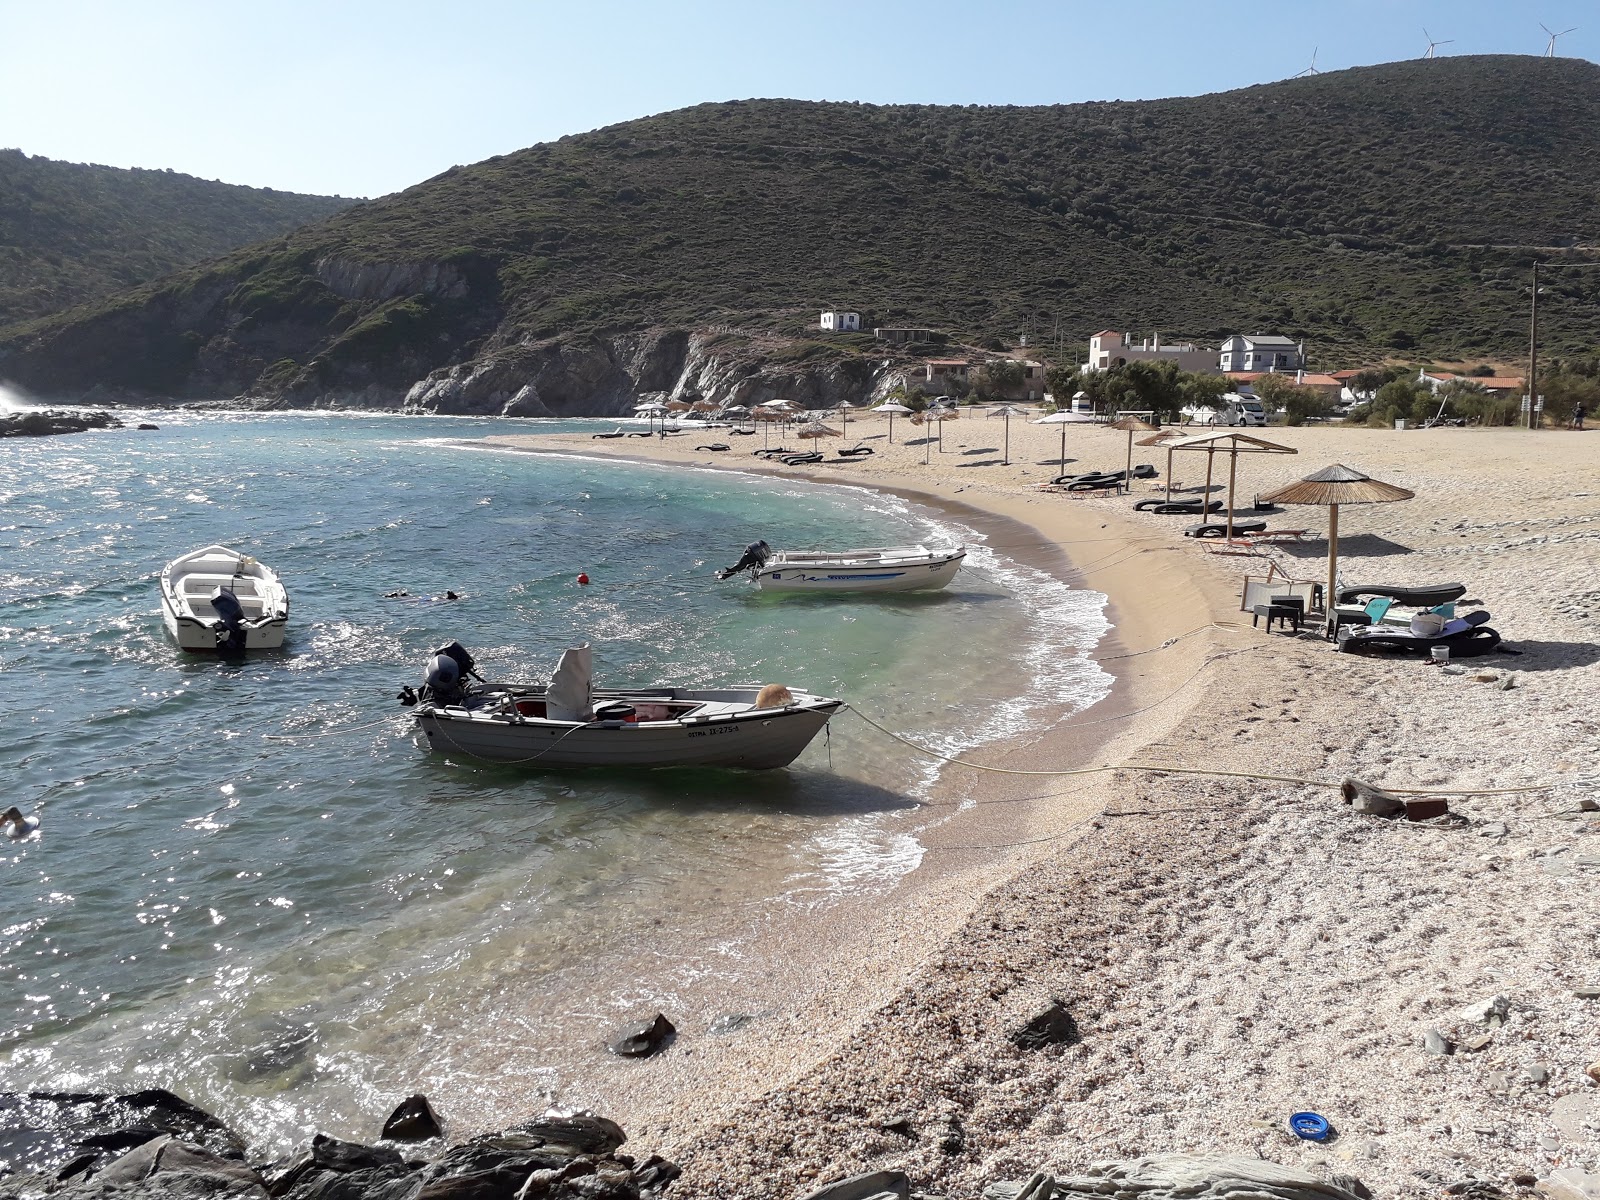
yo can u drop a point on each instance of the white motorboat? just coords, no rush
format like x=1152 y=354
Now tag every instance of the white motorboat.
x=867 y=569
x=220 y=599
x=572 y=724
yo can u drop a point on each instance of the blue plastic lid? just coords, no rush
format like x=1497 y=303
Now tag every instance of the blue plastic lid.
x=1309 y=1125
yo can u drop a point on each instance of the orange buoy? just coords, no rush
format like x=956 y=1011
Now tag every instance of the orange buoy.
x=582 y=578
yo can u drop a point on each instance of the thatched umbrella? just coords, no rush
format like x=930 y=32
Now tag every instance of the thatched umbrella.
x=1062 y=418
x=891 y=408
x=1165 y=438
x=1008 y=411
x=843 y=409
x=1331 y=487
x=816 y=429
x=1132 y=425
x=1233 y=444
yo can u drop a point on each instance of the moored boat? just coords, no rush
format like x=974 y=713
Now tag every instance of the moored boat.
x=569 y=723
x=217 y=598
x=865 y=569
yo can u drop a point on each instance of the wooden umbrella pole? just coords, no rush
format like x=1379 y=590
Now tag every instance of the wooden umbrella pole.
x=1127 y=477
x=1333 y=562
x=1233 y=469
x=1063 y=465
x=1205 y=498
x=1169 y=476
x=1007 y=452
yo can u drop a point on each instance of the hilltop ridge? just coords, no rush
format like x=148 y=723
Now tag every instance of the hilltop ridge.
x=72 y=233
x=1395 y=207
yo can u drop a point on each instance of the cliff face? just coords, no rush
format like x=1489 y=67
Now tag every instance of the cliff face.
x=607 y=376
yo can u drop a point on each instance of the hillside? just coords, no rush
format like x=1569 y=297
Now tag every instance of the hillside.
x=1396 y=207
x=74 y=232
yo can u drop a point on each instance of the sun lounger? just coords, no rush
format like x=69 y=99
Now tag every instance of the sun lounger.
x=797 y=460
x=1143 y=471
x=1091 y=478
x=714 y=446
x=856 y=450
x=774 y=452
x=743 y=432
x=1466 y=637
x=642 y=433
x=1426 y=596
x=1219 y=529
x=614 y=434
x=1189 y=507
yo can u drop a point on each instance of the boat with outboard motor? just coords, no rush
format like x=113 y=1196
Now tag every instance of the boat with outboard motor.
x=220 y=599
x=867 y=569
x=570 y=723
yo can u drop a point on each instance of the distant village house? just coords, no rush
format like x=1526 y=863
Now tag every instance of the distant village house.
x=941 y=372
x=1108 y=349
x=1497 y=385
x=1259 y=352
x=841 y=322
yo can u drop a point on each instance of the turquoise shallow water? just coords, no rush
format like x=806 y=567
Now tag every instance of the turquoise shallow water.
x=253 y=888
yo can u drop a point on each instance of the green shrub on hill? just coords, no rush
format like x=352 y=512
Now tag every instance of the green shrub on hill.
x=73 y=232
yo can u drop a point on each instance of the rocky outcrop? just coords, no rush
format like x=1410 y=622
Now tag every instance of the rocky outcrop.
x=384 y=281
x=606 y=377
x=152 y=1144
x=42 y=422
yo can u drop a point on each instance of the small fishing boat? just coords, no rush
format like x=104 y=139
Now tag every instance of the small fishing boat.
x=570 y=723
x=220 y=599
x=867 y=569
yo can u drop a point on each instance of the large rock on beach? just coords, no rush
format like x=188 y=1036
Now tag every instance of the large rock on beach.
x=1182 y=1177
x=45 y=1132
x=644 y=1039
x=413 y=1120
x=42 y=422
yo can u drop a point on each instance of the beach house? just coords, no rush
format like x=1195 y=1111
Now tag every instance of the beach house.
x=1498 y=385
x=841 y=322
x=1108 y=349
x=1261 y=352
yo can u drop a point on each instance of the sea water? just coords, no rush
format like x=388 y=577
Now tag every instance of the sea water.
x=252 y=887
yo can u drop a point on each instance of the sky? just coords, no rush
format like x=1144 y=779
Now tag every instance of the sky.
x=362 y=98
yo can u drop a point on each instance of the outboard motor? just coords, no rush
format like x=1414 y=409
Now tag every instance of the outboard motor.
x=755 y=557
x=445 y=679
x=231 y=635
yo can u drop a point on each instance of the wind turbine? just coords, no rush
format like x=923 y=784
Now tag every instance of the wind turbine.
x=1432 y=43
x=1550 y=50
x=1312 y=69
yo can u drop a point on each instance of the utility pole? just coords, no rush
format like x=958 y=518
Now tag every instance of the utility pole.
x=1533 y=349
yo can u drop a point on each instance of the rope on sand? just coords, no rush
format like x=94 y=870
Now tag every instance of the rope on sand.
x=1209 y=772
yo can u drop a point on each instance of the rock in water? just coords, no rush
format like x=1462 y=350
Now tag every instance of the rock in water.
x=40 y=422
x=1052 y=1027
x=641 y=1041
x=172 y=1160
x=1189 y=1177
x=45 y=1131
x=412 y=1121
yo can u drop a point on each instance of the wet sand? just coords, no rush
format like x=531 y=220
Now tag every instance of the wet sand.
x=1232 y=949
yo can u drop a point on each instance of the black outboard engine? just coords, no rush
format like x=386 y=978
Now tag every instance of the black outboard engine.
x=231 y=636
x=755 y=557
x=446 y=678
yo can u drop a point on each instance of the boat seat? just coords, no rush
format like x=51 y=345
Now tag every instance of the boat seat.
x=718 y=708
x=203 y=585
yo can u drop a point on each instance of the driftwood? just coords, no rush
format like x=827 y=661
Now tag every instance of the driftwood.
x=1365 y=798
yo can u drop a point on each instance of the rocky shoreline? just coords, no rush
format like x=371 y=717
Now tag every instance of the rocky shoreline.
x=152 y=1143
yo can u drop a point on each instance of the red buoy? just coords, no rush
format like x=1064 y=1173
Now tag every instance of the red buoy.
x=582 y=578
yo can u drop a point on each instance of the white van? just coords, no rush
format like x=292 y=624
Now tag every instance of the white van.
x=1241 y=410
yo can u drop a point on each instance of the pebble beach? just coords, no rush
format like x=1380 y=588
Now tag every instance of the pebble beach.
x=1234 y=943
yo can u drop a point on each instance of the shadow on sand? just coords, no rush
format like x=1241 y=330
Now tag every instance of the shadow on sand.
x=1548 y=656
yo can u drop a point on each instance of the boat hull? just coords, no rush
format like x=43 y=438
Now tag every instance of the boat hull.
x=188 y=582
x=859 y=577
x=760 y=740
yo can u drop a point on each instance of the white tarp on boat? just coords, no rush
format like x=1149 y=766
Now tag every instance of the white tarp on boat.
x=570 y=697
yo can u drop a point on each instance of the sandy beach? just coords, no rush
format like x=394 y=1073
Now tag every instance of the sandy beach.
x=1231 y=948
